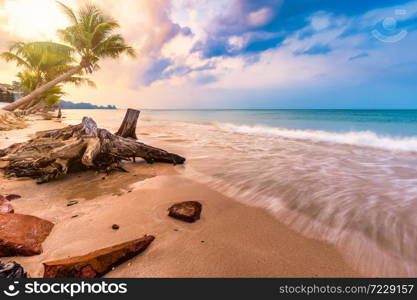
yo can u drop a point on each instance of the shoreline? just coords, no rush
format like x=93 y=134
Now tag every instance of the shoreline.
x=230 y=240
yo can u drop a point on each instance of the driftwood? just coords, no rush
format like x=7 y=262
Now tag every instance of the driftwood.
x=128 y=127
x=74 y=148
x=10 y=120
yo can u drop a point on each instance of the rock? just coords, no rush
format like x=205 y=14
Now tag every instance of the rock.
x=11 y=270
x=72 y=202
x=115 y=227
x=5 y=206
x=22 y=234
x=188 y=211
x=97 y=263
x=11 y=197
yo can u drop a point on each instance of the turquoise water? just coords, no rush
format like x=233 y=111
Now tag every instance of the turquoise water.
x=348 y=177
x=399 y=123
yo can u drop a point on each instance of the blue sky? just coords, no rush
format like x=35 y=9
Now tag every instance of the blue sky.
x=255 y=54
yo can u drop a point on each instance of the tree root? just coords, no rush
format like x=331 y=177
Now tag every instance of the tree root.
x=77 y=147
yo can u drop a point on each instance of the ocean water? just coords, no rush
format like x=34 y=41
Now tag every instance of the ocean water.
x=348 y=177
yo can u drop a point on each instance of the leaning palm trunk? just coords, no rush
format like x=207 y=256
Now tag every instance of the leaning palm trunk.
x=29 y=105
x=38 y=107
x=27 y=99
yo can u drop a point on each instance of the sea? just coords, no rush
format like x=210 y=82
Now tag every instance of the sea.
x=347 y=177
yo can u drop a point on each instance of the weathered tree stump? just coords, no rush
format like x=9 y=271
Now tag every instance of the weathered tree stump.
x=128 y=127
x=74 y=148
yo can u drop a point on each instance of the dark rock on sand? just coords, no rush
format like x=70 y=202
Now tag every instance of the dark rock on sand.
x=115 y=227
x=12 y=270
x=11 y=197
x=22 y=235
x=5 y=206
x=97 y=263
x=72 y=202
x=188 y=211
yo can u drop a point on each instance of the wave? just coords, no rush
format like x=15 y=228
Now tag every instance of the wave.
x=379 y=245
x=354 y=138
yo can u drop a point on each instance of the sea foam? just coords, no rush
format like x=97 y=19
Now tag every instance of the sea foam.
x=355 y=138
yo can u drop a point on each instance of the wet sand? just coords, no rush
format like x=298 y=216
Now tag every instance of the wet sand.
x=230 y=240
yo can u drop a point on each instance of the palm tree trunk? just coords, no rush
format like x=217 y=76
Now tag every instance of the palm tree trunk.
x=34 y=100
x=26 y=99
x=29 y=108
x=29 y=104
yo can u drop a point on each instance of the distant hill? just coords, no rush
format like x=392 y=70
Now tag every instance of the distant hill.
x=83 y=105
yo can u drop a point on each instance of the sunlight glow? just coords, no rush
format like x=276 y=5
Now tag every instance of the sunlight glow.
x=34 y=19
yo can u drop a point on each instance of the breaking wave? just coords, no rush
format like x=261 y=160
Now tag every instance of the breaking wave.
x=354 y=138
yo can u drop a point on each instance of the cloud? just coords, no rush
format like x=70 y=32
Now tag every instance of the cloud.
x=203 y=53
x=155 y=70
x=264 y=24
x=158 y=29
x=315 y=50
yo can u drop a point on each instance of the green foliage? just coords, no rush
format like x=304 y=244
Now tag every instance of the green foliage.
x=42 y=62
x=27 y=82
x=91 y=34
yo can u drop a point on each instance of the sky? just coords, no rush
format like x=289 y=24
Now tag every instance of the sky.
x=241 y=53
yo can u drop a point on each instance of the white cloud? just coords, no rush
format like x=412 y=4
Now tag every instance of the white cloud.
x=260 y=17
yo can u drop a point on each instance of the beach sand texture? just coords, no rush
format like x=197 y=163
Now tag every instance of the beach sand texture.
x=230 y=240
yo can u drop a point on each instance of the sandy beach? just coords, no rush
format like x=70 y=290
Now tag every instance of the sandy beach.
x=230 y=240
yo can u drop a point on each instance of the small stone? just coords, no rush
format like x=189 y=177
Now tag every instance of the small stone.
x=188 y=211
x=5 y=206
x=202 y=242
x=74 y=216
x=115 y=227
x=103 y=178
x=11 y=197
x=72 y=202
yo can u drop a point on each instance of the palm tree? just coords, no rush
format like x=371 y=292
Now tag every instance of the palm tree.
x=42 y=62
x=27 y=83
x=91 y=35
